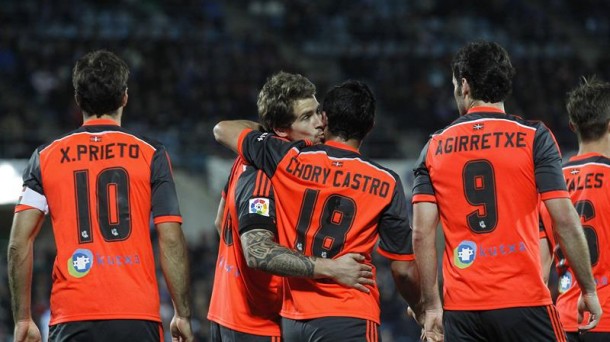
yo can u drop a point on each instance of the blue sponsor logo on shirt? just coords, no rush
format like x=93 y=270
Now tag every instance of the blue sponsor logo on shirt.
x=465 y=254
x=80 y=263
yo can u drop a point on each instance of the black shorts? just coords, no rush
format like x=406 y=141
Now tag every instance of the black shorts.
x=331 y=329
x=219 y=333
x=588 y=337
x=536 y=323
x=115 y=330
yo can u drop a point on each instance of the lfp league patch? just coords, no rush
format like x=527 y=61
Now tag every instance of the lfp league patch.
x=259 y=206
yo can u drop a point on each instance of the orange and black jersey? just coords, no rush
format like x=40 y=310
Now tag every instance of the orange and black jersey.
x=331 y=201
x=245 y=299
x=587 y=177
x=100 y=184
x=487 y=172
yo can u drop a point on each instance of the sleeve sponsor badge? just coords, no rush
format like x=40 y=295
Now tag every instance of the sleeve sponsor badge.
x=259 y=206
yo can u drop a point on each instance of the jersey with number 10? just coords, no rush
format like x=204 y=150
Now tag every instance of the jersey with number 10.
x=100 y=184
x=331 y=201
x=487 y=172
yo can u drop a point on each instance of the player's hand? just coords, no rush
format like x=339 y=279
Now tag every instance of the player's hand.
x=180 y=328
x=418 y=314
x=349 y=270
x=433 y=325
x=419 y=318
x=588 y=303
x=27 y=331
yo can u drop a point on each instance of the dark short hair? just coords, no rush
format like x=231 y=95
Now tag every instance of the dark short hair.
x=589 y=108
x=277 y=98
x=350 y=108
x=100 y=80
x=487 y=68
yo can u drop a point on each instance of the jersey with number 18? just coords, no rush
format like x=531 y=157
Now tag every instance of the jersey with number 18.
x=330 y=200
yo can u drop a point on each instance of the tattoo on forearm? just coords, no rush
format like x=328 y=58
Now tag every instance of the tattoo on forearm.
x=265 y=254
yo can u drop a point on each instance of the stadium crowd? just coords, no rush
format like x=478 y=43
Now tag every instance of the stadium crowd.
x=195 y=62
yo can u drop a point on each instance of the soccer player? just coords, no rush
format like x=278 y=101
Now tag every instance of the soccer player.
x=100 y=183
x=333 y=201
x=246 y=301
x=243 y=300
x=586 y=176
x=485 y=174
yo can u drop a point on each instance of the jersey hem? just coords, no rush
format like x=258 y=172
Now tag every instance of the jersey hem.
x=296 y=316
x=164 y=219
x=423 y=198
x=497 y=306
x=554 y=194
x=393 y=256
x=101 y=317
x=23 y=207
x=263 y=332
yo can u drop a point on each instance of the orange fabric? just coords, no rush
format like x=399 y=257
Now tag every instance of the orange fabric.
x=371 y=332
x=557 y=328
x=587 y=177
x=243 y=299
x=491 y=246
x=125 y=267
x=307 y=298
x=22 y=207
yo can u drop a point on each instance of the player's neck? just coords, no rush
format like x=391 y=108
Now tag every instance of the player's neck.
x=350 y=142
x=601 y=146
x=115 y=117
x=480 y=103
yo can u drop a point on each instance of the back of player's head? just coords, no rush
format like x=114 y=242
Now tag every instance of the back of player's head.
x=589 y=109
x=100 y=80
x=487 y=68
x=350 y=109
x=278 y=96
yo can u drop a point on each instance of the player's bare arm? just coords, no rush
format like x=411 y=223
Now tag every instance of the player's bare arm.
x=263 y=253
x=425 y=221
x=26 y=226
x=406 y=278
x=571 y=238
x=175 y=266
x=227 y=132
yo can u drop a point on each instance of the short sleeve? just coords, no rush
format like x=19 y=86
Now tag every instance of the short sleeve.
x=394 y=231
x=165 y=207
x=422 y=184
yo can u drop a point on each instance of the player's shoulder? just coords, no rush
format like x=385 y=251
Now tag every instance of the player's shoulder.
x=338 y=156
x=596 y=159
x=95 y=135
x=382 y=168
x=152 y=142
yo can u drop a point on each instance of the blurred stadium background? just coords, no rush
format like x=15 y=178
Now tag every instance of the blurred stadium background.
x=194 y=62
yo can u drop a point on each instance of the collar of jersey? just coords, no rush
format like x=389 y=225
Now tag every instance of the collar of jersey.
x=101 y=122
x=485 y=109
x=341 y=145
x=585 y=156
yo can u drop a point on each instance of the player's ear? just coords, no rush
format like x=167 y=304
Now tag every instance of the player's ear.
x=573 y=127
x=125 y=98
x=465 y=87
x=281 y=132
